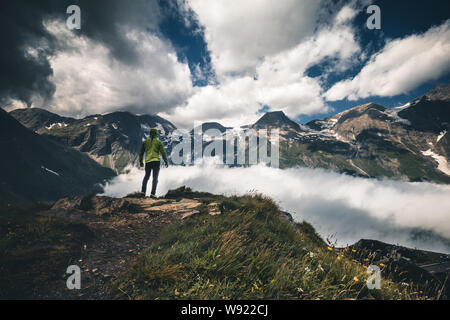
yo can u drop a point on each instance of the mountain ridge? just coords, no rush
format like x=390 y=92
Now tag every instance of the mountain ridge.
x=36 y=168
x=112 y=139
x=405 y=143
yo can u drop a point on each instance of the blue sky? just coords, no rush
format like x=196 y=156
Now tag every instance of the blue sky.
x=399 y=19
x=227 y=61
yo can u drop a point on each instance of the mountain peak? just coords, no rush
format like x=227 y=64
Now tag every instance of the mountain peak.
x=211 y=125
x=275 y=119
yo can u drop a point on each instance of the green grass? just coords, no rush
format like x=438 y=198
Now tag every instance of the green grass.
x=371 y=167
x=34 y=249
x=247 y=252
x=291 y=155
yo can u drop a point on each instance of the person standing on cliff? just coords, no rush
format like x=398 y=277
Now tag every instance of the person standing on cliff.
x=152 y=148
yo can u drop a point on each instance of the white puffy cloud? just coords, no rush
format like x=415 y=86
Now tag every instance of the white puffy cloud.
x=349 y=208
x=233 y=103
x=279 y=81
x=90 y=80
x=402 y=65
x=241 y=33
x=277 y=45
x=285 y=85
x=345 y=14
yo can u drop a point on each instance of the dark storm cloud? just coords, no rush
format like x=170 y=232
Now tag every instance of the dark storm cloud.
x=21 y=27
x=20 y=24
x=105 y=21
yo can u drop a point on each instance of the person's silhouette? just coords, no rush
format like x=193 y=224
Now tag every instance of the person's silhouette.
x=152 y=148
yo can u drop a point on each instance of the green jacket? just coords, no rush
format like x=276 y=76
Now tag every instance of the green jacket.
x=152 y=147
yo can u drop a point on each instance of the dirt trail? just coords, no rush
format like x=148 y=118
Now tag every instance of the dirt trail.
x=122 y=229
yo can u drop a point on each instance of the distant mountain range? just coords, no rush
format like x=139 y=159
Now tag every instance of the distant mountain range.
x=37 y=168
x=408 y=143
x=113 y=140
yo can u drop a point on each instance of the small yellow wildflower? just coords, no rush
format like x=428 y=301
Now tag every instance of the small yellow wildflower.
x=330 y=249
x=353 y=250
x=382 y=264
x=355 y=279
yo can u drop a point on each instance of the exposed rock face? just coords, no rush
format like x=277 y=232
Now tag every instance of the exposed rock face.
x=276 y=119
x=406 y=143
x=40 y=120
x=113 y=140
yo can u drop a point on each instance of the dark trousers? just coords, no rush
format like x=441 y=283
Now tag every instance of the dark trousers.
x=149 y=167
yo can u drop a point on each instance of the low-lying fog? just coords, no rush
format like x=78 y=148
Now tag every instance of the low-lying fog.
x=344 y=207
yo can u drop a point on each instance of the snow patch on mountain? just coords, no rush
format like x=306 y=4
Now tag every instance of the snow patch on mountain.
x=441 y=135
x=393 y=113
x=443 y=165
x=160 y=129
x=51 y=171
x=59 y=124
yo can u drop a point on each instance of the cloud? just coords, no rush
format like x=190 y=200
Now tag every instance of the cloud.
x=90 y=79
x=21 y=75
x=347 y=207
x=401 y=66
x=279 y=80
x=120 y=61
x=233 y=103
x=117 y=59
x=240 y=33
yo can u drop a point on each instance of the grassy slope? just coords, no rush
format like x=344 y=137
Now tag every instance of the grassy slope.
x=248 y=252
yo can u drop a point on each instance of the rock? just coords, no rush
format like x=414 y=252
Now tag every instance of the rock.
x=176 y=207
x=213 y=209
x=188 y=214
x=142 y=215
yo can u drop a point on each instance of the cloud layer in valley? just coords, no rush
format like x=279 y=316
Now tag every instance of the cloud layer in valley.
x=338 y=205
